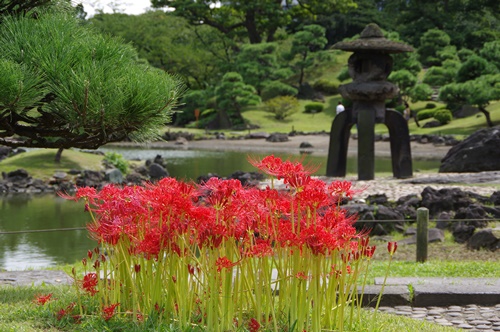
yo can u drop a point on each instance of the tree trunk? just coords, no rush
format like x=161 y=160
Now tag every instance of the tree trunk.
x=251 y=26
x=57 y=159
x=487 y=115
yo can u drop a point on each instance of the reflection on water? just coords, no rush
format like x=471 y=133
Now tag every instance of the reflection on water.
x=189 y=164
x=41 y=249
x=44 y=249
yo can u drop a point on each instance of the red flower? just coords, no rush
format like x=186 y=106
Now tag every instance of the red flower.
x=60 y=314
x=223 y=263
x=368 y=251
x=392 y=247
x=42 y=299
x=89 y=283
x=109 y=311
x=253 y=325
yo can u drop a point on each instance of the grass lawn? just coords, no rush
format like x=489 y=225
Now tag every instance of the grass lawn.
x=18 y=313
x=301 y=121
x=40 y=163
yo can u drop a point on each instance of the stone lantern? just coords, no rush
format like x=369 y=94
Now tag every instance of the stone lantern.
x=369 y=66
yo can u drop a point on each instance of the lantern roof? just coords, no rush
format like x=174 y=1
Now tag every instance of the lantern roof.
x=372 y=39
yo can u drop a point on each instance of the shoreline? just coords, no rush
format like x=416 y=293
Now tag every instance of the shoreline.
x=320 y=145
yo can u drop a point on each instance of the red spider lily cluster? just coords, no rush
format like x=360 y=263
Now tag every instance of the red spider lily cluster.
x=220 y=242
x=42 y=299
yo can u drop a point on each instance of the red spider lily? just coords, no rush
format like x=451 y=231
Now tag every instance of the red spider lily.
x=342 y=189
x=89 y=283
x=137 y=268
x=60 y=314
x=220 y=192
x=66 y=311
x=261 y=248
x=302 y=275
x=42 y=299
x=109 y=311
x=369 y=251
x=392 y=246
x=253 y=325
x=224 y=263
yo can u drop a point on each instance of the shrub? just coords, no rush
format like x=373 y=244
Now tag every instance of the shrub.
x=276 y=88
x=282 y=107
x=117 y=160
x=326 y=87
x=443 y=115
x=314 y=108
x=400 y=108
x=425 y=114
x=430 y=105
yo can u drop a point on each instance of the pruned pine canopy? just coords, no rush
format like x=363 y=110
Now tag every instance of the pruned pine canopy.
x=63 y=85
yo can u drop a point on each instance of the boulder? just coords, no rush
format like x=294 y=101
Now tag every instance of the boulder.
x=134 y=178
x=113 y=175
x=483 y=239
x=495 y=198
x=305 y=145
x=443 y=200
x=277 y=137
x=90 y=178
x=157 y=172
x=462 y=232
x=477 y=153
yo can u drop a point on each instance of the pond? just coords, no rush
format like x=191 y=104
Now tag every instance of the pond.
x=22 y=217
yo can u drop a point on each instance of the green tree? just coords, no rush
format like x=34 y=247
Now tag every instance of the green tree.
x=420 y=92
x=81 y=89
x=405 y=81
x=256 y=21
x=478 y=92
x=282 y=106
x=168 y=42
x=431 y=43
x=491 y=52
x=232 y=95
x=258 y=65
x=442 y=75
x=474 y=68
x=306 y=42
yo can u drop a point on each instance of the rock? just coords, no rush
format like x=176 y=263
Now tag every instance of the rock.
x=483 y=239
x=495 y=198
x=157 y=172
x=160 y=161
x=204 y=178
x=90 y=178
x=442 y=222
x=134 y=178
x=478 y=152
x=443 y=200
x=248 y=178
x=462 y=232
x=113 y=175
x=474 y=214
x=277 y=137
x=433 y=235
x=173 y=136
x=143 y=170
x=17 y=175
x=432 y=124
x=378 y=199
x=258 y=135
x=181 y=141
x=5 y=151
x=305 y=145
x=59 y=175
